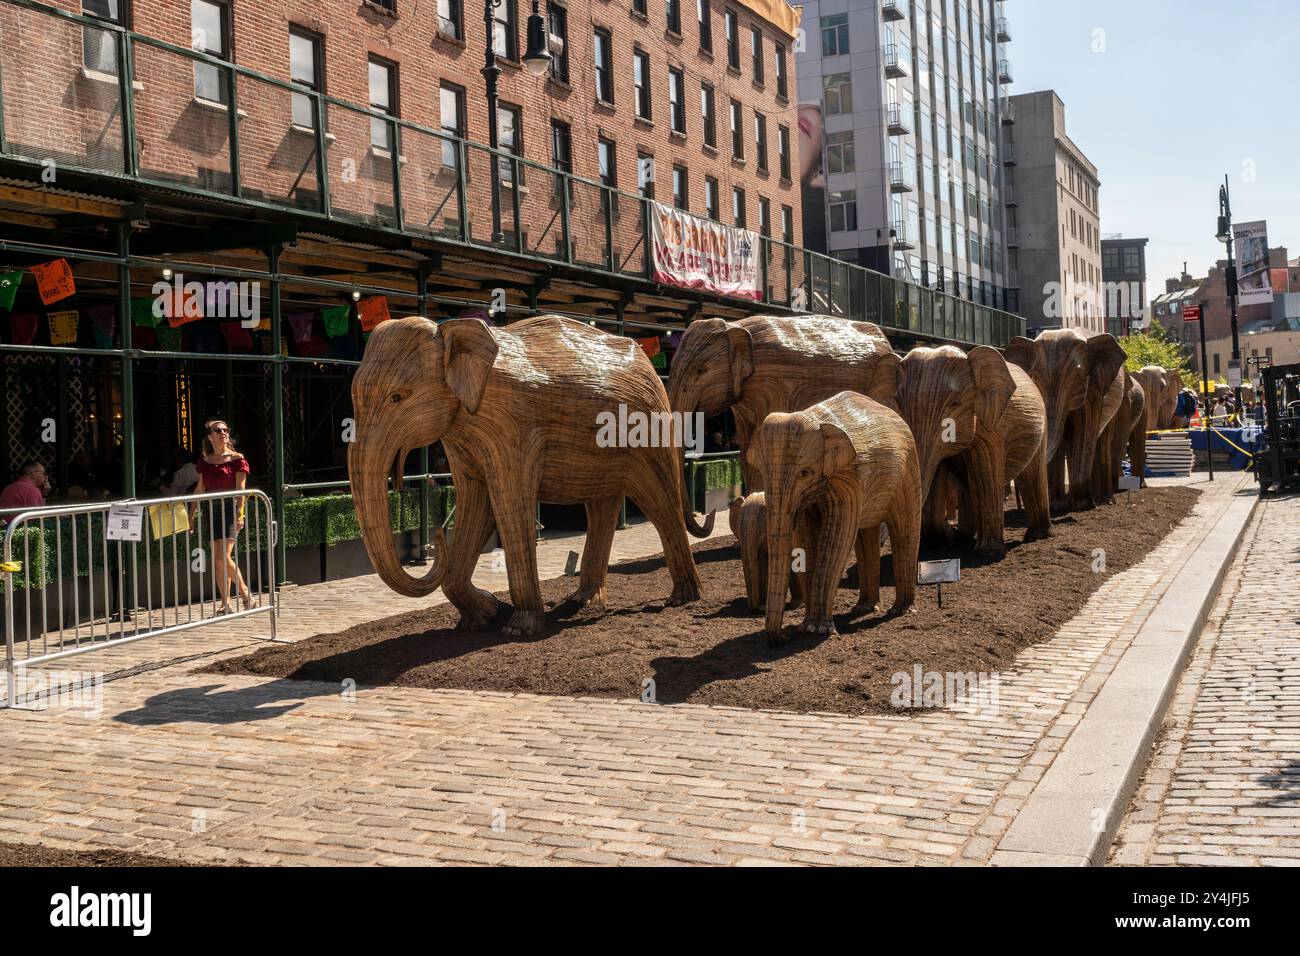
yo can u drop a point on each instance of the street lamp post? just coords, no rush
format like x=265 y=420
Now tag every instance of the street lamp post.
x=537 y=60
x=1224 y=235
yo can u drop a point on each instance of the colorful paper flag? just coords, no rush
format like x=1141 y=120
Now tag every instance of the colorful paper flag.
x=63 y=327
x=22 y=329
x=238 y=338
x=659 y=360
x=336 y=320
x=54 y=280
x=169 y=340
x=284 y=345
x=103 y=317
x=300 y=322
x=183 y=308
x=650 y=345
x=9 y=283
x=142 y=313
x=372 y=311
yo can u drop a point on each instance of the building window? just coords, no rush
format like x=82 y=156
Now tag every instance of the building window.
x=738 y=207
x=382 y=78
x=840 y=157
x=680 y=196
x=787 y=225
x=705 y=18
x=707 y=117
x=673 y=12
x=783 y=150
x=676 y=108
x=509 y=123
x=711 y=198
x=782 y=77
x=451 y=109
x=837 y=93
x=1132 y=261
x=641 y=81
x=835 y=35
x=210 y=33
x=737 y=131
x=557 y=22
x=764 y=216
x=844 y=211
x=760 y=141
x=304 y=71
x=99 y=47
x=505 y=32
x=1110 y=260
x=449 y=19
x=638 y=7
x=645 y=174
x=756 y=52
x=561 y=147
x=604 y=67
x=733 y=39
x=607 y=163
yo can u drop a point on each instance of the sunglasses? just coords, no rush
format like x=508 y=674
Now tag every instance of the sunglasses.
x=223 y=431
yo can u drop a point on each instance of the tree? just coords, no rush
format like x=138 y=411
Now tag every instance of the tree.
x=1156 y=346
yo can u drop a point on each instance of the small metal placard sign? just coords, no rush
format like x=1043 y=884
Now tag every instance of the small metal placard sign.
x=939 y=572
x=1129 y=483
x=125 y=522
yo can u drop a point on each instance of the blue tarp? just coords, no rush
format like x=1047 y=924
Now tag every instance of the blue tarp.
x=1249 y=439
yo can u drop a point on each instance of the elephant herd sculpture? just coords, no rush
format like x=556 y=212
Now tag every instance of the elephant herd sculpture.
x=841 y=439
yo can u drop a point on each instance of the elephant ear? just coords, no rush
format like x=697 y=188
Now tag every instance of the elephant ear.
x=740 y=346
x=1105 y=359
x=468 y=352
x=994 y=385
x=838 y=453
x=883 y=385
x=1024 y=353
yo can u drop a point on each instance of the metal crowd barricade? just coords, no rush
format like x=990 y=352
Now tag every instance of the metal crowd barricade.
x=83 y=577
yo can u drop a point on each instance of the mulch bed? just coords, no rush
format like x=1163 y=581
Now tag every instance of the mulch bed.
x=714 y=651
x=20 y=854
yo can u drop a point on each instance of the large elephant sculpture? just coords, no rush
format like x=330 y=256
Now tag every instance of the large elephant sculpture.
x=1081 y=385
x=1169 y=399
x=519 y=412
x=1160 y=390
x=840 y=469
x=1118 y=438
x=986 y=418
x=766 y=364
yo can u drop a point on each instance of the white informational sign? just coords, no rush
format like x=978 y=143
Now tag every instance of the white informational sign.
x=697 y=253
x=1234 y=373
x=939 y=572
x=1129 y=483
x=125 y=522
x=1253 y=282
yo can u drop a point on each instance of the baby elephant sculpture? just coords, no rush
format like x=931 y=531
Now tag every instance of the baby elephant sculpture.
x=842 y=467
x=519 y=412
x=748 y=517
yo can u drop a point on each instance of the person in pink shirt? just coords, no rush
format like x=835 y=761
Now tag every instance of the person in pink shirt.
x=29 y=490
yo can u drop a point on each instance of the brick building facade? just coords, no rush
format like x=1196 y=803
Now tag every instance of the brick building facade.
x=629 y=84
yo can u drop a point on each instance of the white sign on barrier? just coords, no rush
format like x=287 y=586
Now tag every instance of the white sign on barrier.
x=125 y=523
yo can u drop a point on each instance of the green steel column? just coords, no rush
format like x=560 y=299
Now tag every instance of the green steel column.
x=128 y=360
x=277 y=413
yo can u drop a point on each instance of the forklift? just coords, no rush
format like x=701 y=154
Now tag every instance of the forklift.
x=1277 y=464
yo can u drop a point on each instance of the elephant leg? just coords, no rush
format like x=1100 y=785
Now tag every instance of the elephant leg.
x=1056 y=480
x=807 y=529
x=867 y=547
x=1101 y=467
x=474 y=526
x=986 y=480
x=602 y=520
x=516 y=522
x=655 y=489
x=904 y=524
x=1137 y=452
x=1032 y=485
x=834 y=545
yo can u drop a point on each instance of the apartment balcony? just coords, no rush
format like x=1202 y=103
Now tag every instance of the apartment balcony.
x=1003 y=30
x=899 y=119
x=1008 y=111
x=902 y=178
x=1013 y=278
x=1004 y=71
x=1013 y=237
x=1009 y=195
x=1008 y=154
x=902 y=240
x=897 y=61
x=894 y=9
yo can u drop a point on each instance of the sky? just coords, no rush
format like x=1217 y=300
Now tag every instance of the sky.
x=1166 y=97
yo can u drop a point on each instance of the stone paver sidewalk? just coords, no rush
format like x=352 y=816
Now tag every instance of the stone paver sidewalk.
x=214 y=768
x=1223 y=786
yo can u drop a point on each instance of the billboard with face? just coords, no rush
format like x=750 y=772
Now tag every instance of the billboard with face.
x=1254 y=284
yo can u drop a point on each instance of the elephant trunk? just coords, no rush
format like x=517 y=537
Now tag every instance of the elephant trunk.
x=367 y=470
x=779 y=537
x=754 y=565
x=693 y=524
x=689 y=434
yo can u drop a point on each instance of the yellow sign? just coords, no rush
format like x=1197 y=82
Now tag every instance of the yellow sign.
x=167 y=520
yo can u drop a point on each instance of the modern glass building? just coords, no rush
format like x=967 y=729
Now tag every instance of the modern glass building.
x=903 y=118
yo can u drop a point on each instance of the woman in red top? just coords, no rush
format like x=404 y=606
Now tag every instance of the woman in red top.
x=222 y=469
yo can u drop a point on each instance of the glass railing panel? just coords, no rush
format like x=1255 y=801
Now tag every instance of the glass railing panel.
x=360 y=171
x=431 y=195
x=182 y=119
x=277 y=144
x=587 y=223
x=542 y=212
x=629 y=234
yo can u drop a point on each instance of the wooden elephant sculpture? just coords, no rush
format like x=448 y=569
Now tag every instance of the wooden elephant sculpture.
x=986 y=418
x=1081 y=385
x=748 y=519
x=520 y=413
x=1169 y=401
x=766 y=364
x=844 y=467
x=1160 y=390
x=1118 y=438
